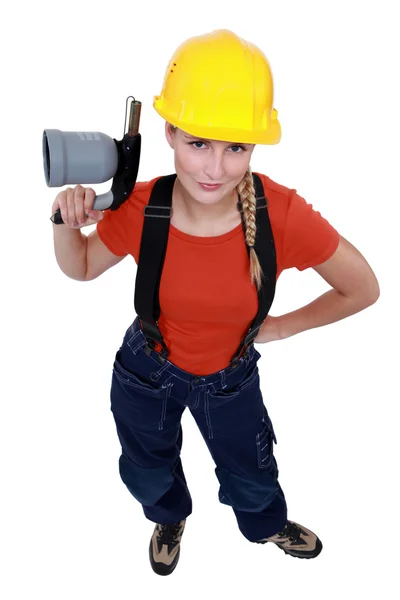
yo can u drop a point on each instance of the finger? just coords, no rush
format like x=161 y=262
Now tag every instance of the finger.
x=79 y=196
x=70 y=207
x=95 y=215
x=61 y=201
x=89 y=199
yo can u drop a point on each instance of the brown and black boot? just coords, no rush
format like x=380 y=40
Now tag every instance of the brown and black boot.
x=296 y=540
x=165 y=547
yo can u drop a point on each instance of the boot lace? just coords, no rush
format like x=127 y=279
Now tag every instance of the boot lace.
x=291 y=531
x=169 y=533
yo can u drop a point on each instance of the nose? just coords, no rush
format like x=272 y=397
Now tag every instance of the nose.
x=214 y=166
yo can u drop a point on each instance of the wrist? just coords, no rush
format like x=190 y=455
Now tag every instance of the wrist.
x=62 y=228
x=283 y=327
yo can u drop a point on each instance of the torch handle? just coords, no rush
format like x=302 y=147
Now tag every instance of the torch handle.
x=101 y=202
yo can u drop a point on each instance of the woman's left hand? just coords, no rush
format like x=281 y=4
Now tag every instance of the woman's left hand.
x=269 y=331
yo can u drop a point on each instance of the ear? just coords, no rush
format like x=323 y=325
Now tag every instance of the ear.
x=169 y=134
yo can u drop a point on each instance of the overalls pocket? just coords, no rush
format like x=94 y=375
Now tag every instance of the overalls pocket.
x=264 y=441
x=136 y=380
x=231 y=392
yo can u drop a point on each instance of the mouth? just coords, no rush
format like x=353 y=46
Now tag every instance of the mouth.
x=210 y=187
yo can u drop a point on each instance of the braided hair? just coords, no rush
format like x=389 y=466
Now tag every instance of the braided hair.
x=248 y=199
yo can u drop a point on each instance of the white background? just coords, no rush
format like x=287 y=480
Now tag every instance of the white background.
x=69 y=527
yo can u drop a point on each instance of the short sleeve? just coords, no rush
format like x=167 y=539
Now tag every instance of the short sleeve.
x=309 y=239
x=113 y=230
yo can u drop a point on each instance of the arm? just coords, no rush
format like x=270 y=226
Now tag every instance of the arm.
x=82 y=257
x=70 y=250
x=79 y=256
x=355 y=287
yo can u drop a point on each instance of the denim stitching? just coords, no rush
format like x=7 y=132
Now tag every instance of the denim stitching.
x=134 y=384
x=260 y=460
x=196 y=404
x=174 y=374
x=223 y=379
x=138 y=346
x=157 y=374
x=131 y=339
x=249 y=383
x=161 y=423
x=166 y=384
x=222 y=373
x=208 y=418
x=177 y=376
x=133 y=336
x=163 y=368
x=164 y=407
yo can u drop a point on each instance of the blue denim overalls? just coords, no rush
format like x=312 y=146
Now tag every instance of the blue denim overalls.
x=147 y=401
x=149 y=395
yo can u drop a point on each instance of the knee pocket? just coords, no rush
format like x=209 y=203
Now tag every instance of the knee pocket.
x=265 y=444
x=146 y=485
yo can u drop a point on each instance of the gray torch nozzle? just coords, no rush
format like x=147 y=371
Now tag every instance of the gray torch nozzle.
x=78 y=157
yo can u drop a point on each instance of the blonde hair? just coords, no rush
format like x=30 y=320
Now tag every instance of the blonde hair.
x=248 y=199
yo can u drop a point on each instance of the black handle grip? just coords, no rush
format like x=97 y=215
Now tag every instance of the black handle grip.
x=128 y=166
x=57 y=218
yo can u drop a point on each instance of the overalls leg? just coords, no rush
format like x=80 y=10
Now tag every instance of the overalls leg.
x=236 y=427
x=148 y=422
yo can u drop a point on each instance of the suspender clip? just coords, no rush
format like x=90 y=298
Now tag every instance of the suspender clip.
x=251 y=336
x=153 y=336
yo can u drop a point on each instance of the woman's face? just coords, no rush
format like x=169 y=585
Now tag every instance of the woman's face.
x=199 y=161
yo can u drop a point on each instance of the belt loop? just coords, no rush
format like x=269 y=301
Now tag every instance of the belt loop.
x=223 y=379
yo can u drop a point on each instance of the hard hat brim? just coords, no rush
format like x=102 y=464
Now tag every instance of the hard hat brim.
x=269 y=136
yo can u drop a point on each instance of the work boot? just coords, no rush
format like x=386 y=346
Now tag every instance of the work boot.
x=165 y=547
x=296 y=540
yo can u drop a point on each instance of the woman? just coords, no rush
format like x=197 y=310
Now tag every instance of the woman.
x=217 y=103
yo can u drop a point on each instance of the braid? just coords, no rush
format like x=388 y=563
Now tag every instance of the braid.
x=248 y=199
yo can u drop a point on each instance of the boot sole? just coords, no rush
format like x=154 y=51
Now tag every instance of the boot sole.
x=161 y=568
x=304 y=554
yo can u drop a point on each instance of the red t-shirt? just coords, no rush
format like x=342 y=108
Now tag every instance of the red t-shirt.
x=207 y=298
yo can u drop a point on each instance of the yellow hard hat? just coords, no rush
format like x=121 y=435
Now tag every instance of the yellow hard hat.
x=218 y=86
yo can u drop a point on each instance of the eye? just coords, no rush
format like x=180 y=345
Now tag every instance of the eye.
x=196 y=144
x=237 y=149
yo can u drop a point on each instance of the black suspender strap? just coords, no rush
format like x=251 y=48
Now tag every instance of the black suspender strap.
x=151 y=260
x=152 y=255
x=265 y=250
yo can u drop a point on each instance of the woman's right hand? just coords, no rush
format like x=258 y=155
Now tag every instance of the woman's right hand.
x=75 y=205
